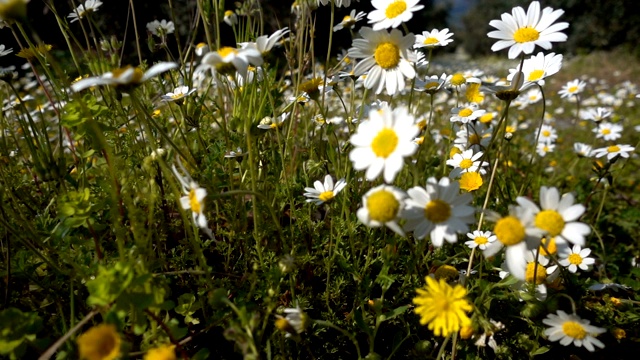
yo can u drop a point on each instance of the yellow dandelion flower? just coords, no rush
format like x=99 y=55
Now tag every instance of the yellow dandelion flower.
x=442 y=307
x=164 y=352
x=101 y=342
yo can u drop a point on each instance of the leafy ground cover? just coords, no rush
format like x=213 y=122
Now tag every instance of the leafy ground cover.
x=261 y=200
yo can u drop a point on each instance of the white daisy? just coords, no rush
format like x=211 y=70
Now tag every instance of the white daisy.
x=595 y=114
x=382 y=141
x=194 y=196
x=433 y=38
x=268 y=123
x=557 y=216
x=382 y=205
x=521 y=32
x=581 y=149
x=608 y=131
x=466 y=113
x=480 y=239
x=543 y=148
x=538 y=67
x=465 y=162
x=178 y=94
x=515 y=232
x=572 y=329
x=349 y=20
x=547 y=134
x=265 y=43
x=83 y=9
x=392 y=13
x=229 y=60
x=126 y=76
x=161 y=28
x=431 y=84
x=578 y=258
x=614 y=151
x=386 y=58
x=438 y=210
x=324 y=192
x=230 y=18
x=537 y=272
x=572 y=88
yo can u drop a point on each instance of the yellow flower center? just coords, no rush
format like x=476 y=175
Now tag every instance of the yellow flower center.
x=383 y=206
x=384 y=143
x=526 y=34
x=540 y=273
x=606 y=131
x=535 y=75
x=437 y=211
x=226 y=50
x=481 y=240
x=470 y=181
x=346 y=19
x=137 y=73
x=431 y=85
x=193 y=202
x=510 y=129
x=546 y=133
x=454 y=150
x=572 y=89
x=387 y=55
x=613 y=148
x=395 y=8
x=228 y=13
x=550 y=221
x=474 y=139
x=465 y=112
x=575 y=259
x=466 y=163
x=458 y=79
x=486 y=118
x=430 y=41
x=574 y=330
x=509 y=230
x=551 y=247
x=326 y=196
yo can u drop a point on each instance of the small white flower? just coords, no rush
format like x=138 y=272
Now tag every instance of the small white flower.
x=89 y=6
x=572 y=88
x=230 y=18
x=614 y=151
x=178 y=94
x=467 y=161
x=127 y=76
x=382 y=205
x=582 y=150
x=466 y=113
x=480 y=239
x=349 y=20
x=322 y=193
x=577 y=258
x=161 y=28
x=433 y=38
x=572 y=329
x=392 y=13
x=608 y=131
x=4 y=52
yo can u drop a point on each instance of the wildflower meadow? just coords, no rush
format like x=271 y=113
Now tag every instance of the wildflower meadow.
x=168 y=193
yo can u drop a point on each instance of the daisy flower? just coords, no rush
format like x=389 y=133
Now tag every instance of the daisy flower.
x=193 y=198
x=392 y=13
x=4 y=52
x=572 y=329
x=442 y=307
x=124 y=77
x=431 y=84
x=467 y=161
x=480 y=239
x=161 y=28
x=572 y=88
x=521 y=32
x=294 y=322
x=547 y=134
x=322 y=193
x=557 y=215
x=438 y=210
x=608 y=131
x=178 y=94
x=538 y=272
x=265 y=43
x=99 y=342
x=230 y=18
x=466 y=113
x=538 y=67
x=349 y=20
x=82 y=10
x=596 y=114
x=382 y=206
x=433 y=38
x=338 y=3
x=614 y=151
x=229 y=60
x=269 y=123
x=381 y=142
x=577 y=258
x=543 y=148
x=515 y=232
x=581 y=149
x=386 y=58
